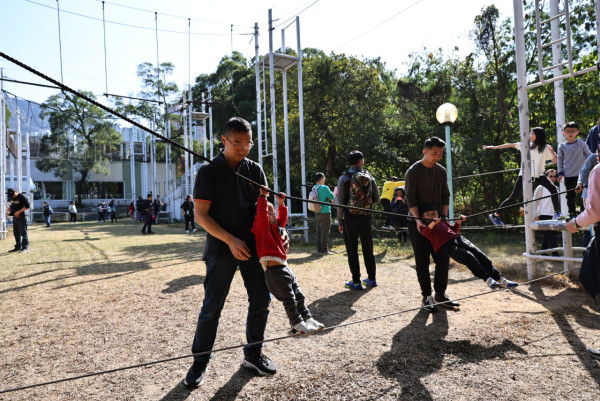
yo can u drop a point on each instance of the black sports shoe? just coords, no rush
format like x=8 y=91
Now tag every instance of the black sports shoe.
x=15 y=249
x=195 y=376
x=428 y=304
x=261 y=363
x=447 y=302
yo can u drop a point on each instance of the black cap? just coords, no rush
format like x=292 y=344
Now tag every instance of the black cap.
x=11 y=191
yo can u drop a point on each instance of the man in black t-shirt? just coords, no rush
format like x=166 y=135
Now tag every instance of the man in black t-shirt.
x=225 y=205
x=18 y=205
x=427 y=184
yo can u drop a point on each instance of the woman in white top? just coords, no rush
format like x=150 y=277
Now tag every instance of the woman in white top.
x=539 y=152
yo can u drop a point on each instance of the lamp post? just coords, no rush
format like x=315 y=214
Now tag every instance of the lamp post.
x=446 y=114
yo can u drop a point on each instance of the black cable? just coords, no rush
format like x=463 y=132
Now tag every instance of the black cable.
x=9 y=390
x=130 y=25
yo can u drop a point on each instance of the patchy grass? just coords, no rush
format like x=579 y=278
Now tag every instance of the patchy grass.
x=97 y=296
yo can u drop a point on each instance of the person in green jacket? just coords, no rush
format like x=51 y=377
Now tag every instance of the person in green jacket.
x=324 y=215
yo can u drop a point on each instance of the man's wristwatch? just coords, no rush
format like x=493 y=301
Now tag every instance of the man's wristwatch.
x=575 y=222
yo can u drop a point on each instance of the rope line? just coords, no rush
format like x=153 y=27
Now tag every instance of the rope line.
x=183 y=148
x=229 y=348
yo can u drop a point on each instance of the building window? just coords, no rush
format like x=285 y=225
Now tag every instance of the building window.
x=103 y=190
x=49 y=190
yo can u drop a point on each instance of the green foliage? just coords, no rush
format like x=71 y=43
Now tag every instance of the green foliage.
x=80 y=133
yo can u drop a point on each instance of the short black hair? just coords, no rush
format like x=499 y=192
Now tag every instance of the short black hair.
x=318 y=176
x=434 y=141
x=427 y=208
x=354 y=157
x=237 y=124
x=570 y=124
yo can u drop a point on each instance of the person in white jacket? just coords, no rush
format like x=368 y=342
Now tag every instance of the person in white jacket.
x=545 y=211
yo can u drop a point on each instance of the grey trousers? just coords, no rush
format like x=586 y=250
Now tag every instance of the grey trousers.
x=323 y=227
x=282 y=283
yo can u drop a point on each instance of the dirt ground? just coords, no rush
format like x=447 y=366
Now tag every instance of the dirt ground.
x=94 y=296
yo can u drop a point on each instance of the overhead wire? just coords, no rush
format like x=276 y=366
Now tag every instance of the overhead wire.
x=228 y=348
x=131 y=25
x=381 y=23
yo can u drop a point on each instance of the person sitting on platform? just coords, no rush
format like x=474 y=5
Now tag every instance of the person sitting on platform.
x=445 y=239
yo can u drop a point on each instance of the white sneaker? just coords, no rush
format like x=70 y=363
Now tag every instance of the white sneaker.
x=314 y=323
x=187 y=231
x=493 y=284
x=507 y=283
x=194 y=230
x=302 y=328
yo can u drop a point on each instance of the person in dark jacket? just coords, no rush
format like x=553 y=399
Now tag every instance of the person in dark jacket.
x=18 y=205
x=147 y=215
x=187 y=208
x=47 y=212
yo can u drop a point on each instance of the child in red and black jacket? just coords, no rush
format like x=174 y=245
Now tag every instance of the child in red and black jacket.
x=268 y=230
x=445 y=239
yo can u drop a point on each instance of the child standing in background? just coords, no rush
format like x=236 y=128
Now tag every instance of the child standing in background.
x=400 y=207
x=571 y=157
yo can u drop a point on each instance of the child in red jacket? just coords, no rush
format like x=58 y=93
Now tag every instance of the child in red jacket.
x=268 y=230
x=445 y=238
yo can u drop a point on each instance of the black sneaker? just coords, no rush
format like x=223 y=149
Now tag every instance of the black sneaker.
x=15 y=249
x=428 y=304
x=447 y=302
x=195 y=376
x=261 y=363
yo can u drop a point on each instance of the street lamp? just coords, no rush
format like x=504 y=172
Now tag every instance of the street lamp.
x=446 y=114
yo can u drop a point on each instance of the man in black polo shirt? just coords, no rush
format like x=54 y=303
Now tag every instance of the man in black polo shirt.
x=18 y=205
x=427 y=184
x=225 y=205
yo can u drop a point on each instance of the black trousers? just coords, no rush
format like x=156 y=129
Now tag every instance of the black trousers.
x=464 y=252
x=282 y=283
x=570 y=183
x=189 y=219
x=147 y=222
x=518 y=191
x=423 y=250
x=355 y=227
x=73 y=217
x=20 y=232
x=548 y=236
x=387 y=206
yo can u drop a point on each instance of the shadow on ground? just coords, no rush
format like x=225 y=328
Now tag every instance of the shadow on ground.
x=419 y=349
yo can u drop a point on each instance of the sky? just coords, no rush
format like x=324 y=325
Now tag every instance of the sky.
x=389 y=29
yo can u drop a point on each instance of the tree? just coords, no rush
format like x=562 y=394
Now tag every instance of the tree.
x=80 y=134
x=154 y=88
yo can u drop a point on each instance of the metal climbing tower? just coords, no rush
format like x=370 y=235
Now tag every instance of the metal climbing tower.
x=281 y=62
x=559 y=44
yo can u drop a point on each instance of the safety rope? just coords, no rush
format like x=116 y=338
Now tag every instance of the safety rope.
x=140 y=365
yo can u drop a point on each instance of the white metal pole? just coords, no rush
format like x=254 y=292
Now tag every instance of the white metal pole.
x=3 y=198
x=210 y=122
x=301 y=125
x=272 y=93
x=258 y=96
x=28 y=173
x=185 y=144
x=19 y=152
x=524 y=127
x=132 y=162
x=286 y=132
x=559 y=107
x=191 y=143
